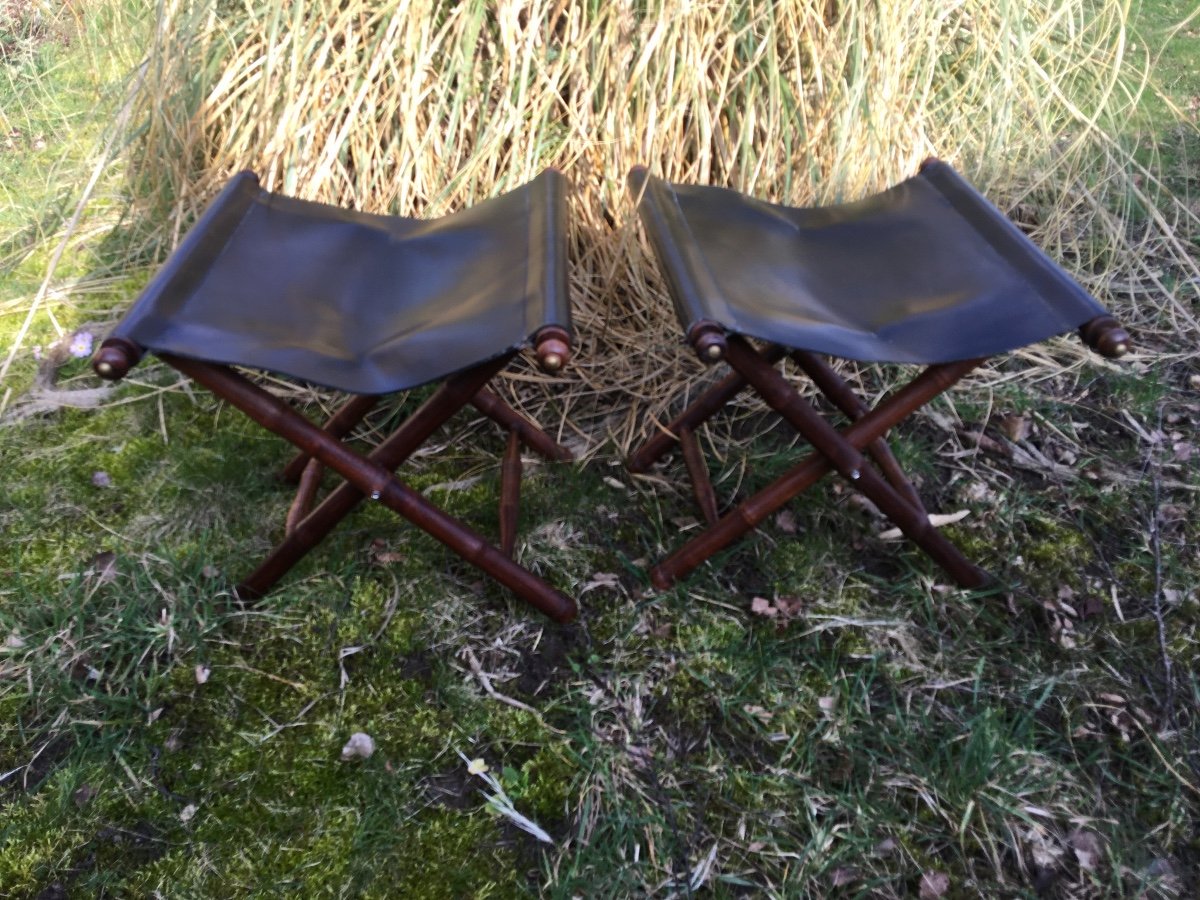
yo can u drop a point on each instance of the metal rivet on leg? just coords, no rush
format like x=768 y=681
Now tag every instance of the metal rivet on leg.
x=855 y=474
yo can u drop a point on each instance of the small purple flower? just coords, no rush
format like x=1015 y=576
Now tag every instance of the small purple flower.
x=101 y=479
x=81 y=344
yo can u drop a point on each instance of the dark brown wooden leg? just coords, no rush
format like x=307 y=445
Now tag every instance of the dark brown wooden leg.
x=749 y=514
x=702 y=489
x=340 y=424
x=310 y=480
x=849 y=462
x=697 y=413
x=376 y=481
x=510 y=494
x=448 y=399
x=488 y=403
x=835 y=388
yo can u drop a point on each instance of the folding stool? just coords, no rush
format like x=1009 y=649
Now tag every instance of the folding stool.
x=926 y=272
x=369 y=305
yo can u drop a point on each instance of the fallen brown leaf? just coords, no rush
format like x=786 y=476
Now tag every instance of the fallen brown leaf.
x=1088 y=848
x=934 y=885
x=83 y=795
x=785 y=521
x=985 y=443
x=843 y=875
x=601 y=580
x=760 y=606
x=381 y=555
x=1015 y=427
x=102 y=568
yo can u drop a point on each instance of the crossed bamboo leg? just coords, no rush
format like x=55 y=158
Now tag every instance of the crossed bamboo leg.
x=837 y=451
x=371 y=476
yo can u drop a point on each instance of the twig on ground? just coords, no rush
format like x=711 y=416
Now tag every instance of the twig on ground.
x=486 y=683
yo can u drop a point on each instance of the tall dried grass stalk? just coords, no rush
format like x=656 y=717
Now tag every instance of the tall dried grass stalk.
x=419 y=108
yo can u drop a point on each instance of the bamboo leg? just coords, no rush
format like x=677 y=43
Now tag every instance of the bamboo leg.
x=488 y=403
x=340 y=424
x=697 y=413
x=848 y=460
x=747 y=515
x=510 y=494
x=390 y=454
x=702 y=487
x=310 y=480
x=835 y=388
x=374 y=480
x=432 y=414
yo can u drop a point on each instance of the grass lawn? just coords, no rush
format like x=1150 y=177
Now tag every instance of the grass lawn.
x=817 y=713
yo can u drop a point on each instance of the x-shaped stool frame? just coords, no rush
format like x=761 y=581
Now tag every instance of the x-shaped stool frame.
x=888 y=488
x=373 y=475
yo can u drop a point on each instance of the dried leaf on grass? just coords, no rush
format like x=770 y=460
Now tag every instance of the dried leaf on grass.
x=934 y=885
x=781 y=610
x=102 y=568
x=360 y=746
x=380 y=554
x=1015 y=427
x=601 y=580
x=844 y=875
x=83 y=795
x=1088 y=848
x=785 y=521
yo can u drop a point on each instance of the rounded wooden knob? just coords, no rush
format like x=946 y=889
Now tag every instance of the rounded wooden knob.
x=1105 y=335
x=115 y=358
x=708 y=340
x=553 y=349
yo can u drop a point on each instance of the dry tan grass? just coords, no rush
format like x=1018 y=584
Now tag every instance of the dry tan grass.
x=420 y=108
